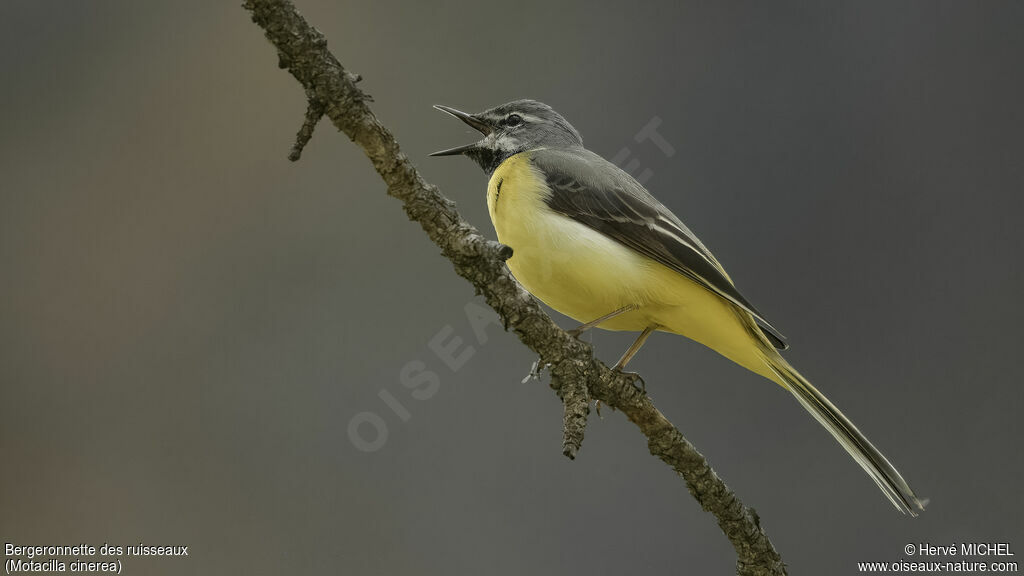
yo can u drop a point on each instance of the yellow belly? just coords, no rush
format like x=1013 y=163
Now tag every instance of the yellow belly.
x=584 y=274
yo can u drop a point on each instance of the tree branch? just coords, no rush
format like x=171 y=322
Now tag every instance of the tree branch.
x=575 y=374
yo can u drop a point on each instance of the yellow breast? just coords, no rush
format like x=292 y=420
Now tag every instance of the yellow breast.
x=585 y=274
x=570 y=267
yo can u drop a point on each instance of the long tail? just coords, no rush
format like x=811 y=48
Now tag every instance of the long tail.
x=870 y=459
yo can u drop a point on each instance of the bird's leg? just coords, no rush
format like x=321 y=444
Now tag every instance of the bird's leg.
x=628 y=355
x=633 y=349
x=579 y=330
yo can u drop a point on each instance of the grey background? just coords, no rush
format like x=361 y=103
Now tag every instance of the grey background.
x=189 y=321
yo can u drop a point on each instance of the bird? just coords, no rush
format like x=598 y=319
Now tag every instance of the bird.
x=592 y=243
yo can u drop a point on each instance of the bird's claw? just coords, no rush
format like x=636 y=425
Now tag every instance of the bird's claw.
x=635 y=377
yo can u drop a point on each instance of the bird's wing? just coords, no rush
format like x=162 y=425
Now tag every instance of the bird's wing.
x=596 y=193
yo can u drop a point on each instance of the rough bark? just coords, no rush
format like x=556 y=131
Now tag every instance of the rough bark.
x=576 y=375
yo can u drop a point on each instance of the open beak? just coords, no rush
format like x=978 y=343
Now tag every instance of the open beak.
x=473 y=121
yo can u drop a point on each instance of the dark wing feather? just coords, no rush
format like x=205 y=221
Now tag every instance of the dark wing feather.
x=596 y=193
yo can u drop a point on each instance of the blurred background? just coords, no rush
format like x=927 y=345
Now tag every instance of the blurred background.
x=203 y=344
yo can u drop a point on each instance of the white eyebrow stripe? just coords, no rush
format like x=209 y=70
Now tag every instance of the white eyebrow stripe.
x=528 y=116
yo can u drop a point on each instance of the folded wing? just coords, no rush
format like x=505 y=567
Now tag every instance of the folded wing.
x=598 y=194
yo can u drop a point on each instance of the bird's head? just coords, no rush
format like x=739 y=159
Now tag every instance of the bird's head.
x=510 y=129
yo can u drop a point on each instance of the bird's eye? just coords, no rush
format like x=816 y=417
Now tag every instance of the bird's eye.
x=513 y=120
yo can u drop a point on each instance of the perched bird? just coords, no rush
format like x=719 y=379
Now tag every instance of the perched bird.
x=592 y=243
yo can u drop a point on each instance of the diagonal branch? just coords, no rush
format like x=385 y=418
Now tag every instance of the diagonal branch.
x=575 y=374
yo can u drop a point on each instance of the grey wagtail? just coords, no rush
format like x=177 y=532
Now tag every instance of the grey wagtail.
x=592 y=243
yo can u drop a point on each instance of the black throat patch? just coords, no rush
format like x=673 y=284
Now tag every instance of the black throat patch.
x=489 y=159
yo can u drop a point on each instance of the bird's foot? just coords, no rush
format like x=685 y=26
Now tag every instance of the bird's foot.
x=634 y=376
